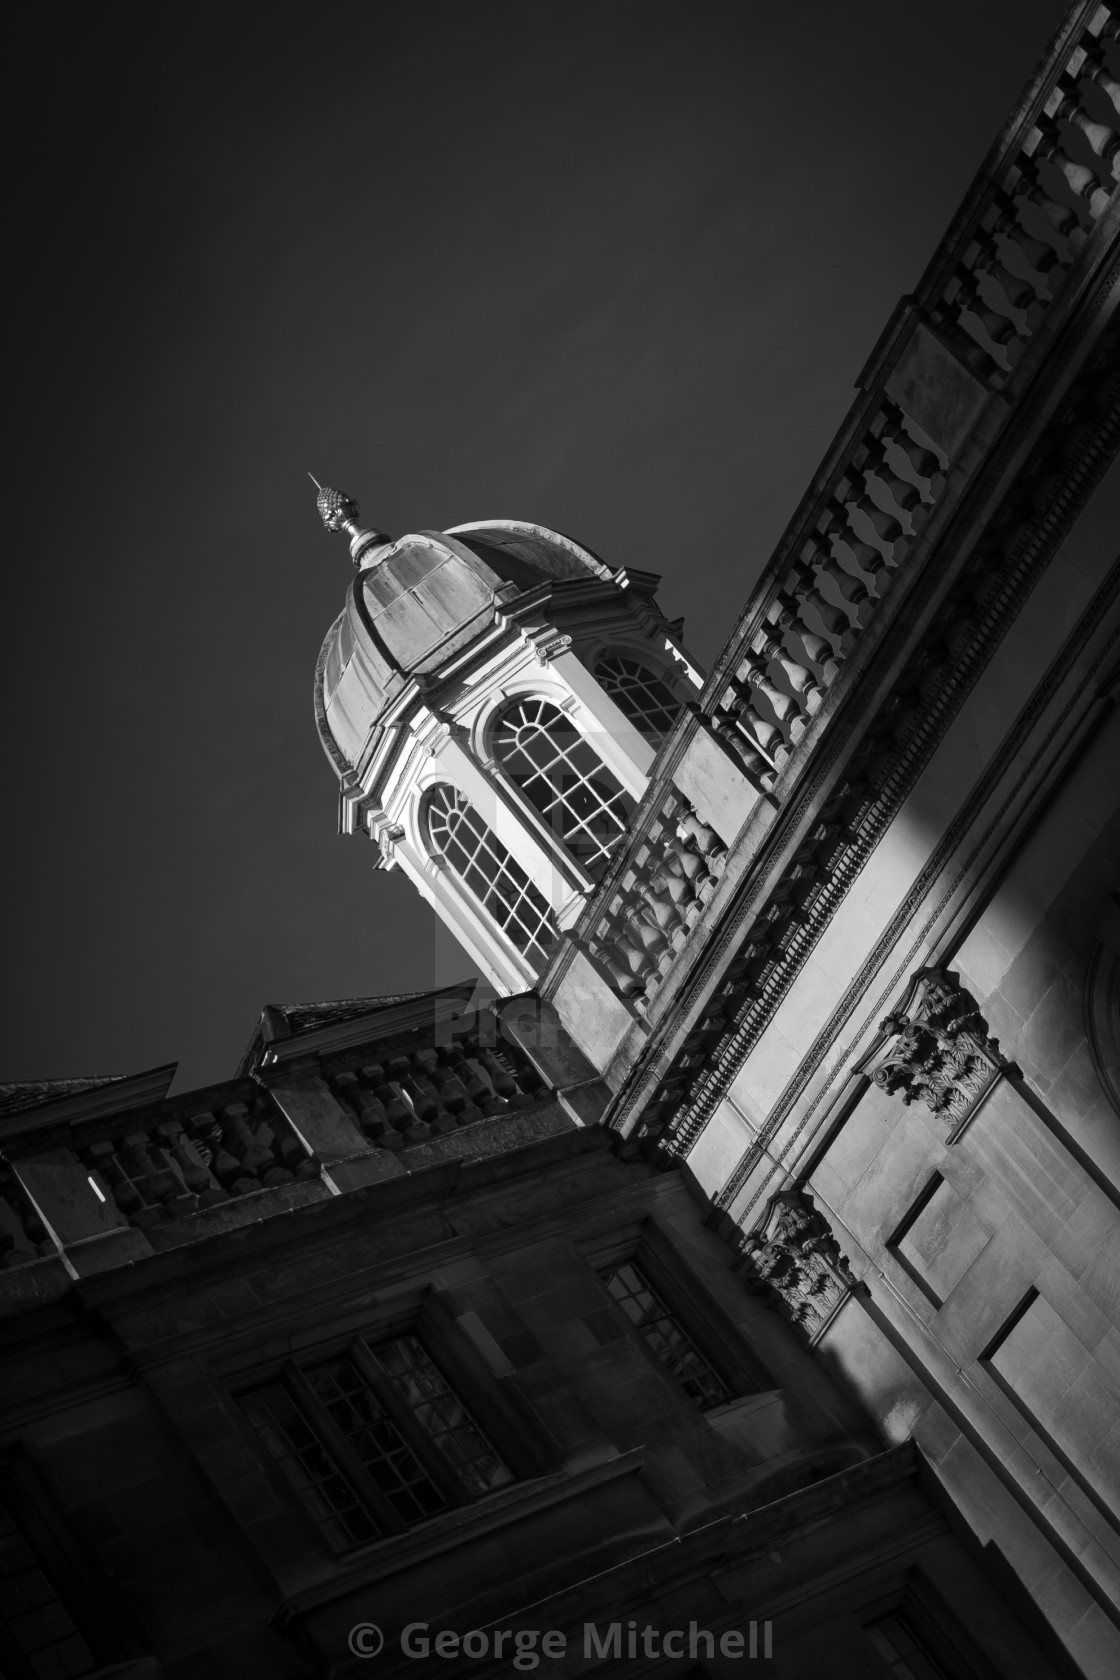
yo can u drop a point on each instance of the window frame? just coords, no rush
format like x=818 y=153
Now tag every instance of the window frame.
x=649 y=671
x=936 y=1630
x=534 y=954
x=359 y=1345
x=718 y=1339
x=590 y=867
x=75 y=1580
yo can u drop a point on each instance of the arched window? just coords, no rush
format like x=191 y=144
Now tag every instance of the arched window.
x=644 y=697
x=563 y=777
x=458 y=834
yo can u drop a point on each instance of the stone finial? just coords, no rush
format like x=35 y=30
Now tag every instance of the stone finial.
x=339 y=512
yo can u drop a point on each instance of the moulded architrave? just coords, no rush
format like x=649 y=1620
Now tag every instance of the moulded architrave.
x=550 y=873
x=613 y=736
x=496 y=956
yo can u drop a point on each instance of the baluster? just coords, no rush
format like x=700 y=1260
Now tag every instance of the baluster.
x=240 y=1138
x=505 y=1084
x=999 y=326
x=190 y=1166
x=373 y=1117
x=452 y=1092
x=808 y=693
x=284 y=1152
x=754 y=674
x=850 y=588
x=663 y=904
x=1101 y=139
x=618 y=959
x=689 y=827
x=1080 y=179
x=1063 y=218
x=423 y=1103
x=792 y=621
x=1096 y=71
x=923 y=461
x=1020 y=292
x=459 y=1082
x=759 y=741
x=945 y=316
x=1040 y=256
x=482 y=1090
x=904 y=493
x=800 y=592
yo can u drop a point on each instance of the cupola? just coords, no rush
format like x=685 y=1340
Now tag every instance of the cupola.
x=491 y=698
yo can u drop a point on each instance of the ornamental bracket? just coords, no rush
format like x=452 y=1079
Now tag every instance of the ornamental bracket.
x=935 y=1048
x=794 y=1259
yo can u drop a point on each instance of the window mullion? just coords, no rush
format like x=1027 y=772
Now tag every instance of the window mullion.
x=409 y=1425
x=340 y=1449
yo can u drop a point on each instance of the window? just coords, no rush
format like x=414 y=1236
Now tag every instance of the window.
x=58 y=1618
x=916 y=1636
x=563 y=777
x=664 y=1335
x=37 y=1636
x=646 y=699
x=374 y=1440
x=459 y=835
x=904 y=1657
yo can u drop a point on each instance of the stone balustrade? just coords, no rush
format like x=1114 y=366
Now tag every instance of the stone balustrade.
x=891 y=532
x=993 y=282
x=855 y=543
x=169 y=1168
x=412 y=1093
x=658 y=899
x=1025 y=226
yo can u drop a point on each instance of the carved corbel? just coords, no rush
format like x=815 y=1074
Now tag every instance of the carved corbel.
x=548 y=646
x=935 y=1048
x=794 y=1259
x=387 y=838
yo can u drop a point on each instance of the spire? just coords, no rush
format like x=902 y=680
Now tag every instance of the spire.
x=339 y=512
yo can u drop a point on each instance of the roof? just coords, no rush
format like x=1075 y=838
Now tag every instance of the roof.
x=285 y=1021
x=21 y=1094
x=302 y=1017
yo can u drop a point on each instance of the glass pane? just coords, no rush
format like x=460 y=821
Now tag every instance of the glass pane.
x=490 y=873
x=639 y=694
x=665 y=1336
x=324 y=1491
x=563 y=777
x=441 y=1415
x=376 y=1439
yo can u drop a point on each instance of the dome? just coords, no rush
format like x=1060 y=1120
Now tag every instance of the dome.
x=418 y=601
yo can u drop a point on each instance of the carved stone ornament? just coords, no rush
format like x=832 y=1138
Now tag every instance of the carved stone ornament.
x=547 y=650
x=938 y=1050
x=795 y=1260
x=340 y=512
x=387 y=839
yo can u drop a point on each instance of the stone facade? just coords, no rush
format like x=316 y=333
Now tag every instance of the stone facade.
x=703 y=1468
x=753 y=1262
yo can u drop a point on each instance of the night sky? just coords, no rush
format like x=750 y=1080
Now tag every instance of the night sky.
x=609 y=266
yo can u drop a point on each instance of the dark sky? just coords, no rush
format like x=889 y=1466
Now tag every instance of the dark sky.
x=610 y=265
